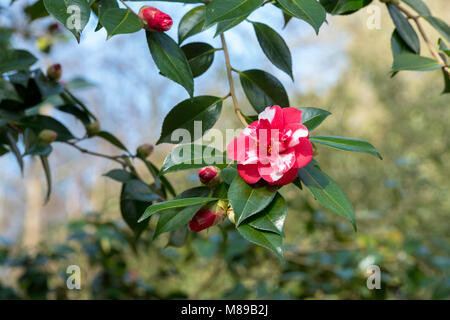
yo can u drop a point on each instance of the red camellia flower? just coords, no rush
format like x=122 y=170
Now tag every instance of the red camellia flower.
x=273 y=148
x=155 y=19
x=209 y=175
x=207 y=217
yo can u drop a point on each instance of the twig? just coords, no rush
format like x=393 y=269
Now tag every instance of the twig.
x=237 y=110
x=433 y=51
x=83 y=150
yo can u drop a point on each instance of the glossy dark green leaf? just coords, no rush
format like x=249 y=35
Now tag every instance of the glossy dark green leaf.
x=137 y=190
x=170 y=59
x=200 y=56
x=132 y=209
x=327 y=192
x=414 y=62
x=313 y=117
x=443 y=47
x=228 y=24
x=272 y=218
x=274 y=47
x=178 y=237
x=404 y=28
x=263 y=89
x=205 y=110
x=219 y=10
x=343 y=7
x=176 y=203
x=191 y=156
x=310 y=11
x=11 y=60
x=192 y=23
x=120 y=175
x=228 y=174
x=247 y=200
x=40 y=122
x=120 y=21
x=268 y=240
x=419 y=6
x=175 y=218
x=347 y=144
x=73 y=14
x=446 y=82
x=398 y=45
x=159 y=178
x=36 y=10
x=13 y=147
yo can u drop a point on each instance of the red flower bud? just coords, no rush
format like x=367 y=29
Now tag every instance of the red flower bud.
x=54 y=72
x=155 y=19
x=209 y=176
x=208 y=217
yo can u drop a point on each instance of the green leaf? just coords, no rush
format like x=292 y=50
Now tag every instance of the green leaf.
x=347 y=144
x=219 y=10
x=192 y=23
x=343 y=6
x=200 y=56
x=132 y=209
x=310 y=11
x=398 y=45
x=446 y=82
x=228 y=24
x=120 y=175
x=73 y=14
x=137 y=190
x=40 y=122
x=268 y=240
x=111 y=139
x=176 y=203
x=272 y=217
x=440 y=26
x=274 y=47
x=247 y=200
x=160 y=178
x=228 y=174
x=206 y=109
x=178 y=237
x=175 y=218
x=263 y=89
x=418 y=5
x=313 y=117
x=170 y=59
x=48 y=176
x=120 y=21
x=404 y=29
x=14 y=149
x=414 y=62
x=327 y=192
x=36 y=10
x=191 y=156
x=11 y=60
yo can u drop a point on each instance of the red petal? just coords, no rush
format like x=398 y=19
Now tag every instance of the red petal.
x=292 y=115
x=242 y=149
x=303 y=153
x=274 y=115
x=249 y=173
x=287 y=178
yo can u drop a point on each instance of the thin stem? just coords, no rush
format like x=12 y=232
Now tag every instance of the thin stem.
x=433 y=51
x=123 y=2
x=113 y=158
x=237 y=110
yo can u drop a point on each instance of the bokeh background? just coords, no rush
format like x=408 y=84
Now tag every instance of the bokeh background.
x=402 y=203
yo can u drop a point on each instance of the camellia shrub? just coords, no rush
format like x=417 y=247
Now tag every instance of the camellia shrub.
x=274 y=147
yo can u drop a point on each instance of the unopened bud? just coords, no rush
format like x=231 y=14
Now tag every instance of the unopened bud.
x=47 y=136
x=93 y=128
x=54 y=72
x=154 y=19
x=230 y=215
x=208 y=217
x=209 y=176
x=144 y=151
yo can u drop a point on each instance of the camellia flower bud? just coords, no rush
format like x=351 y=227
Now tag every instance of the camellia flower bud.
x=47 y=136
x=209 y=176
x=54 y=72
x=144 y=151
x=154 y=19
x=93 y=128
x=209 y=216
